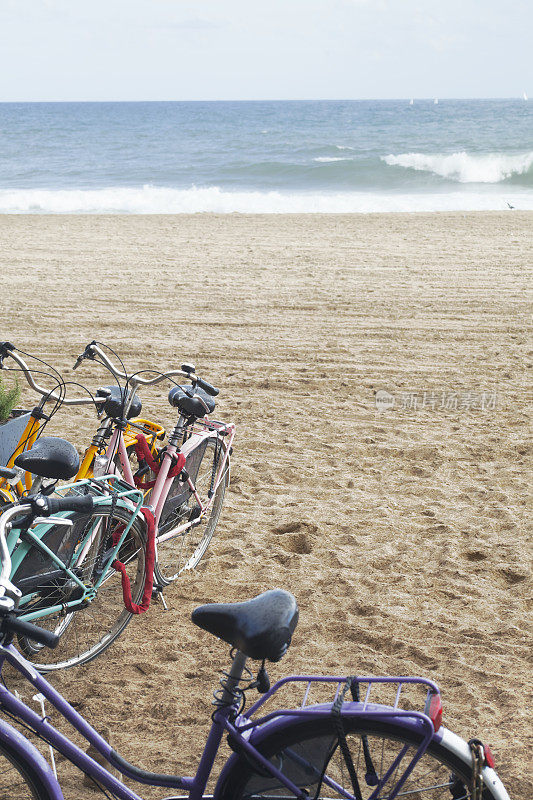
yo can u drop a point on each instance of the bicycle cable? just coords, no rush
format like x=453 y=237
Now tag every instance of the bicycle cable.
x=122 y=391
x=59 y=387
x=237 y=693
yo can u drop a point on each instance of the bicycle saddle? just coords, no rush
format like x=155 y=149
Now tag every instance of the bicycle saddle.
x=111 y=398
x=260 y=628
x=191 y=401
x=50 y=457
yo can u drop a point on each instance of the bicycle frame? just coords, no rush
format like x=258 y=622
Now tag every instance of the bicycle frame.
x=247 y=735
x=152 y=429
x=126 y=497
x=163 y=483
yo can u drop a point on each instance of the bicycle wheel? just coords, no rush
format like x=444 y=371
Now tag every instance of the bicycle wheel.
x=87 y=632
x=308 y=754
x=184 y=551
x=18 y=781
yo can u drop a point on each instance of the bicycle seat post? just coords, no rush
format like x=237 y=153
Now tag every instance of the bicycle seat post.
x=227 y=697
x=131 y=395
x=176 y=435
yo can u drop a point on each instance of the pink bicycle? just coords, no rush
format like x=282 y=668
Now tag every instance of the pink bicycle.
x=185 y=480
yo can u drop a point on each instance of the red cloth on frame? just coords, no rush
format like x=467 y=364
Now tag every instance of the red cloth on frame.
x=149 y=561
x=143 y=453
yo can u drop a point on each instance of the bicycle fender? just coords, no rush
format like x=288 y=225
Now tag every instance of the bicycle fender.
x=263 y=731
x=37 y=763
x=461 y=749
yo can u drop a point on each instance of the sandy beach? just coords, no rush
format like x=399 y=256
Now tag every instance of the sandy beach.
x=402 y=531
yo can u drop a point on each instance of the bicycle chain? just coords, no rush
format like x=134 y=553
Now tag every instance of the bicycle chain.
x=218 y=451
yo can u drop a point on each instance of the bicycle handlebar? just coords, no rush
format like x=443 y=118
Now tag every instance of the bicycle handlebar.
x=11 y=624
x=47 y=506
x=7 y=349
x=93 y=349
x=212 y=390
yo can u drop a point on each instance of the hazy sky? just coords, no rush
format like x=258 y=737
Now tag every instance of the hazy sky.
x=242 y=49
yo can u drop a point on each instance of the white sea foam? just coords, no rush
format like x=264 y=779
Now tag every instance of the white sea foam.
x=465 y=167
x=327 y=159
x=164 y=200
x=344 y=147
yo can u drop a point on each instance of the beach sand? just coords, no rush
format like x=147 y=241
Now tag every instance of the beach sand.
x=402 y=533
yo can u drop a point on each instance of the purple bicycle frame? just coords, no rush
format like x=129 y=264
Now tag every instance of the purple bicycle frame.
x=249 y=735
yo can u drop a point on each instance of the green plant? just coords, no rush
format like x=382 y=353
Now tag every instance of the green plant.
x=8 y=399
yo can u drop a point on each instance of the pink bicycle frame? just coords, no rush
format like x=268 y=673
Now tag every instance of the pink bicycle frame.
x=163 y=483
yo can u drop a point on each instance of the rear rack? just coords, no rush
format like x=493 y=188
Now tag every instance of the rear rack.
x=152 y=430
x=102 y=488
x=410 y=696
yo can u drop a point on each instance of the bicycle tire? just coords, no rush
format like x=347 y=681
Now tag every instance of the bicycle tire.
x=184 y=552
x=87 y=632
x=440 y=773
x=18 y=780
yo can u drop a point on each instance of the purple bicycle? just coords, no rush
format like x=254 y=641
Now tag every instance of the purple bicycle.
x=345 y=746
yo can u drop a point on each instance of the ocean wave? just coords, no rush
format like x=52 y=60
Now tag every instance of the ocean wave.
x=329 y=159
x=465 y=167
x=166 y=200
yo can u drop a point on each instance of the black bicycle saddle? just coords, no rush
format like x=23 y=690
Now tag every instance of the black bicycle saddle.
x=50 y=457
x=191 y=401
x=111 y=399
x=260 y=628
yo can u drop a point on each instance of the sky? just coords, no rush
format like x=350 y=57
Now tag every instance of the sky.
x=66 y=50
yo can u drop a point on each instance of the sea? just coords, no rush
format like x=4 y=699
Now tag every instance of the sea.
x=266 y=157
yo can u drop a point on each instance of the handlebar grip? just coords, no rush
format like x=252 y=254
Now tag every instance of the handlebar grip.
x=6 y=348
x=41 y=635
x=207 y=387
x=82 y=504
x=87 y=353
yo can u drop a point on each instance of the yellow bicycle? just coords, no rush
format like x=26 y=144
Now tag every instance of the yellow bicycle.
x=14 y=490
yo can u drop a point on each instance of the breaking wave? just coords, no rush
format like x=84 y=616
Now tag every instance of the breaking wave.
x=464 y=167
x=164 y=200
x=329 y=159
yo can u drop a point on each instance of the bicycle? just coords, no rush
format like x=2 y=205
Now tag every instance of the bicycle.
x=184 y=481
x=38 y=419
x=13 y=486
x=347 y=747
x=64 y=567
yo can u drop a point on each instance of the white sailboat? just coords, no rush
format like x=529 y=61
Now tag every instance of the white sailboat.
x=411 y=101
x=524 y=95
x=435 y=101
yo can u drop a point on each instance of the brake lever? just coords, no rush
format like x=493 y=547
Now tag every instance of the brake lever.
x=10 y=595
x=19 y=473
x=5 y=350
x=87 y=353
x=54 y=520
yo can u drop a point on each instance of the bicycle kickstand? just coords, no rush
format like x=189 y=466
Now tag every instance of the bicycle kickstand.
x=157 y=595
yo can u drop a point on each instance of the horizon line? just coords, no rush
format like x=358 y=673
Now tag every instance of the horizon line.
x=278 y=100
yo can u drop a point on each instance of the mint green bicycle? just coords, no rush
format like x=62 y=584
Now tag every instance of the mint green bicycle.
x=65 y=566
